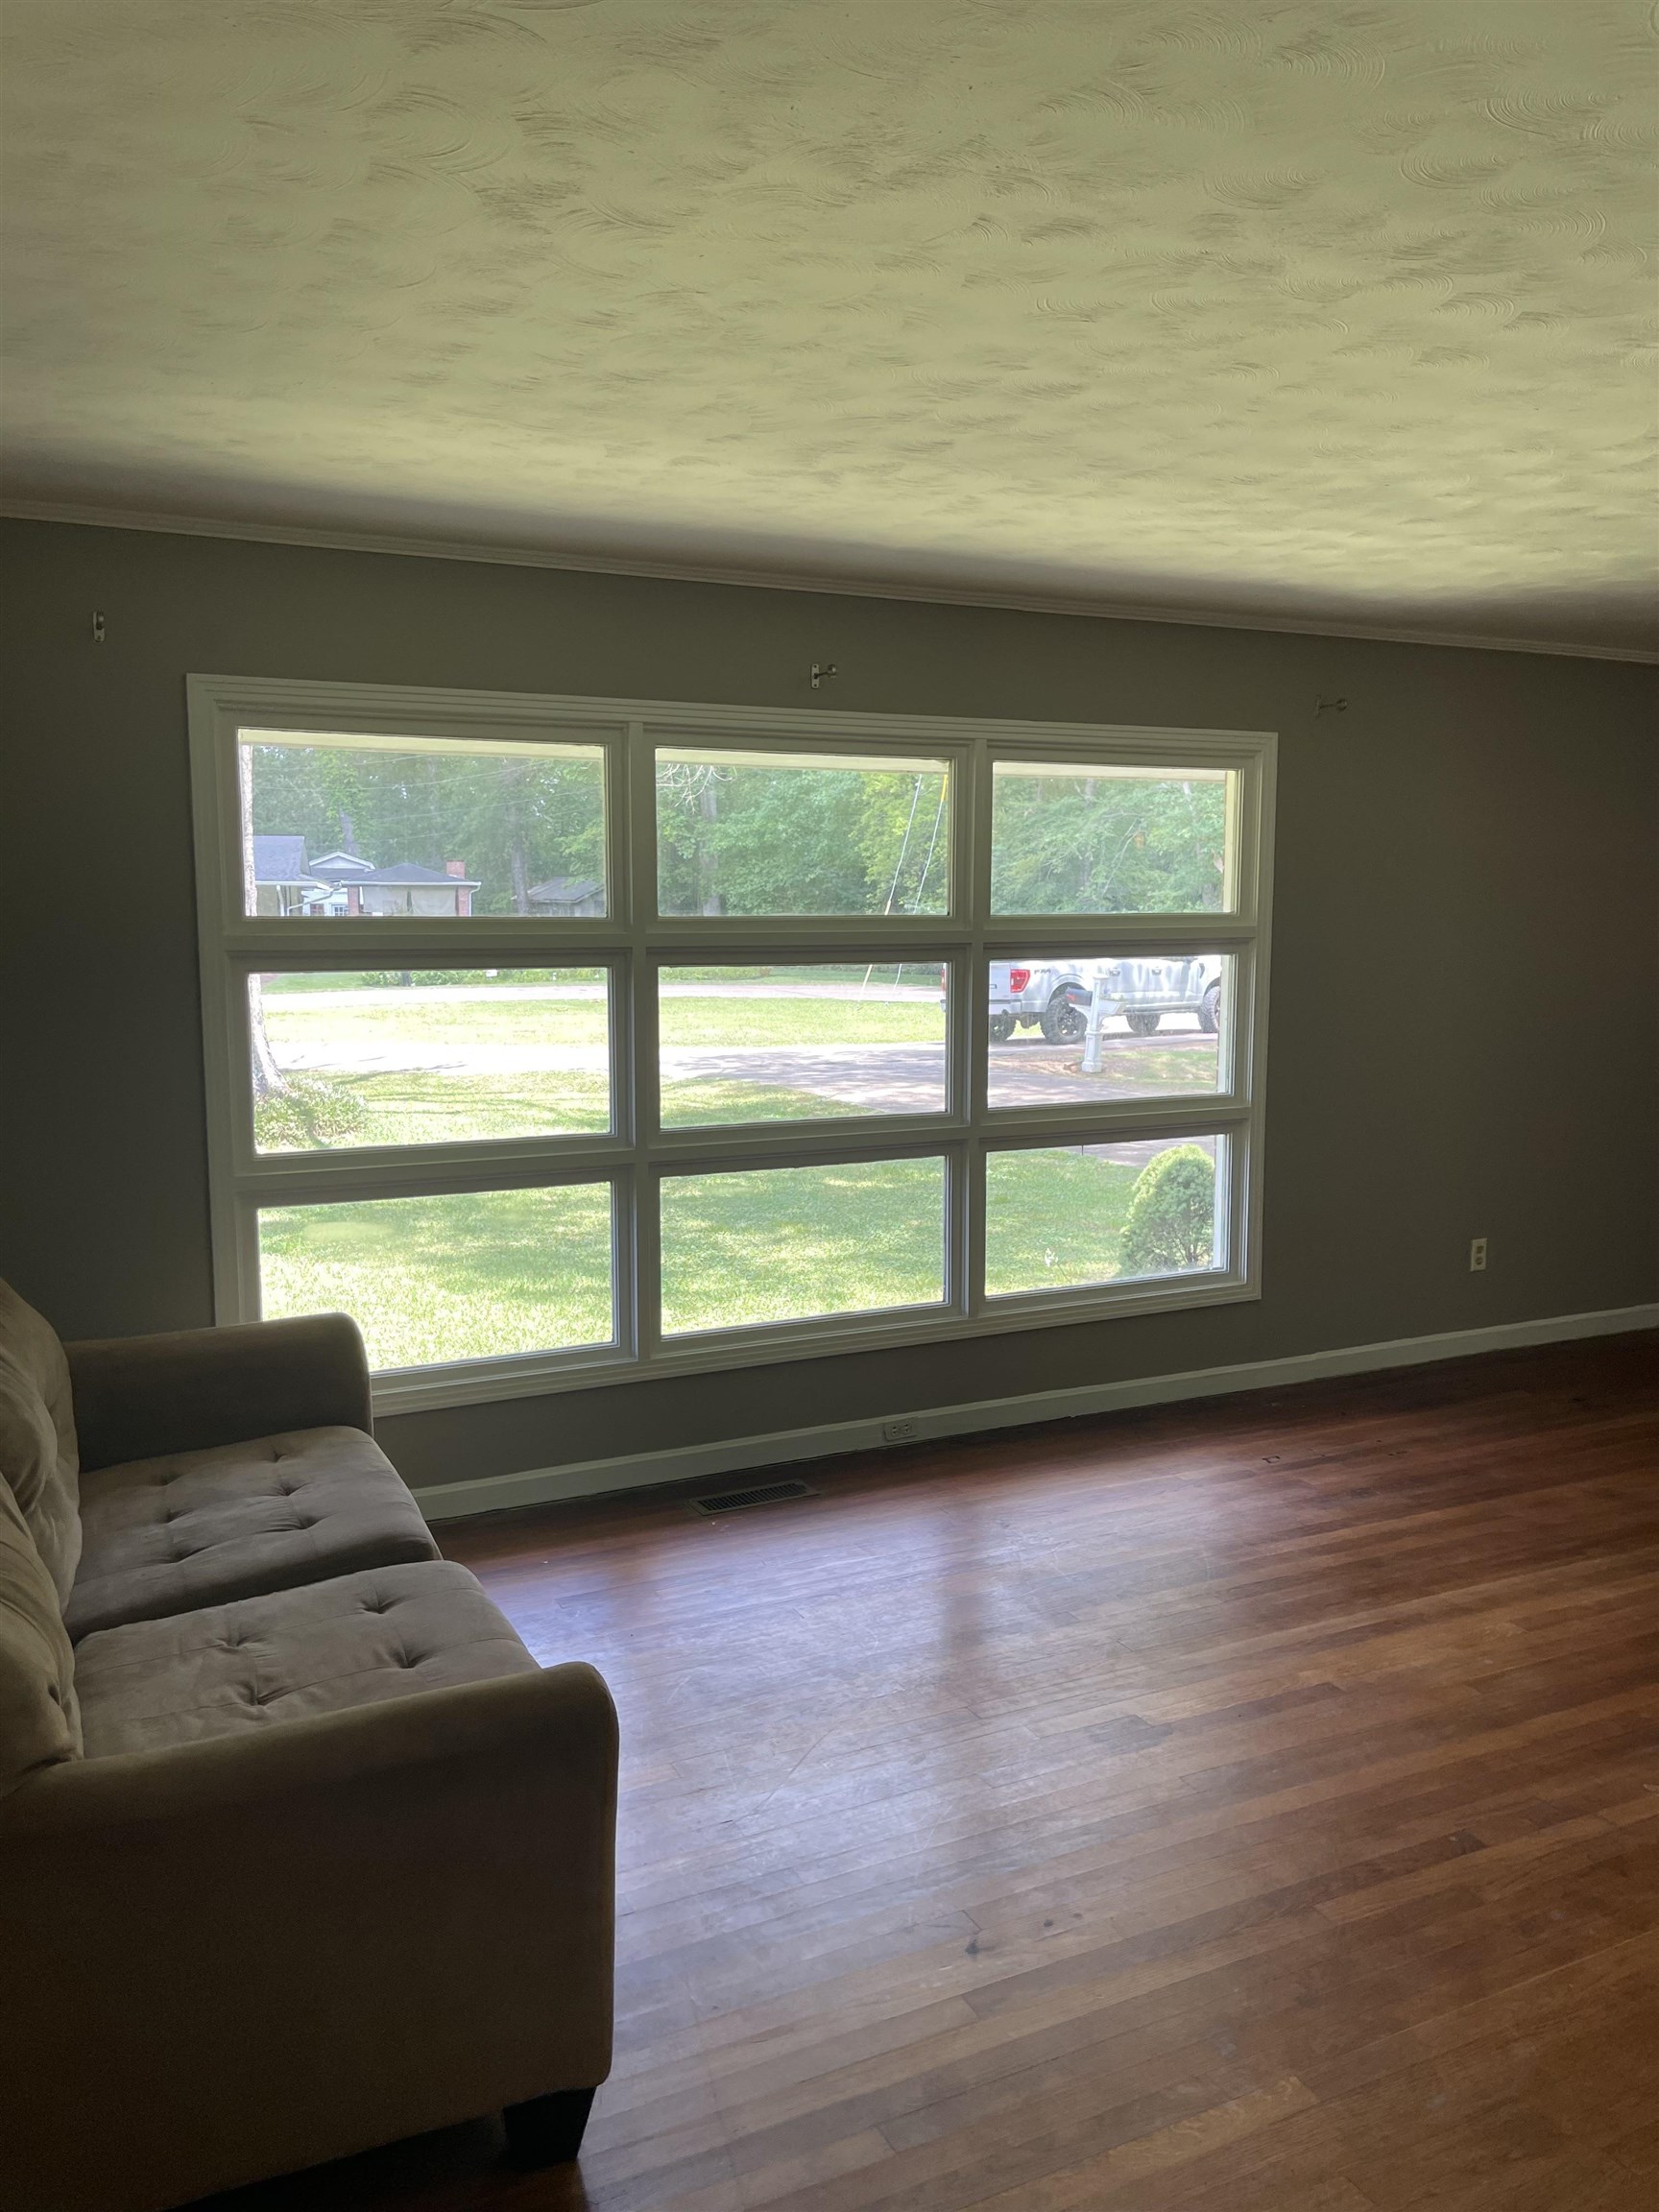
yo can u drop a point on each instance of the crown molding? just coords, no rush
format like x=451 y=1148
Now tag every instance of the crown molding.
x=771 y=580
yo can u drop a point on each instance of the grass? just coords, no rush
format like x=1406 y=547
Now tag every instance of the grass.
x=1053 y=1219
x=424 y=1106
x=345 y=1025
x=1131 y=1068
x=708 y=1101
x=460 y=1277
x=337 y=1103
x=486 y=1273
x=801 y=1021
x=419 y=1106
x=340 y=1102
x=781 y=1245
x=471 y=1276
x=332 y=980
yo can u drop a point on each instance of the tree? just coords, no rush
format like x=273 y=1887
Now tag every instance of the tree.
x=1171 y=1220
x=1107 y=844
x=753 y=840
x=511 y=819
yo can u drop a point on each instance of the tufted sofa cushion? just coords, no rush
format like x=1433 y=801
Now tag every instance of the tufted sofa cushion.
x=38 y=1721
x=357 y=1640
x=38 y=1450
x=164 y=1536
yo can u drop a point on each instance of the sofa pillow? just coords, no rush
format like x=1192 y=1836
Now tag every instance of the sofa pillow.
x=39 y=1720
x=37 y=1450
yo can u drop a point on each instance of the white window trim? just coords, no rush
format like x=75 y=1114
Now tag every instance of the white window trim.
x=633 y=940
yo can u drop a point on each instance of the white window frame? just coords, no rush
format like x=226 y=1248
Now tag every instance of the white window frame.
x=633 y=941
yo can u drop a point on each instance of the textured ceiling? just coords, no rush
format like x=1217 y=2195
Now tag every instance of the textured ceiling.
x=1312 y=310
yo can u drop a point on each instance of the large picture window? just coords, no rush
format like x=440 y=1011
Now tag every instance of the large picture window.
x=557 y=1039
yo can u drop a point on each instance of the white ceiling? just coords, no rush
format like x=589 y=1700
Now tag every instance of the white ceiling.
x=1320 y=311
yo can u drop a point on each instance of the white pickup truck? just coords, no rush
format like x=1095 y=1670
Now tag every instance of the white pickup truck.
x=1055 y=998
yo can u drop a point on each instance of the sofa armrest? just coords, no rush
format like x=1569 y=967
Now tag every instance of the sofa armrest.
x=255 y=1954
x=137 y=1397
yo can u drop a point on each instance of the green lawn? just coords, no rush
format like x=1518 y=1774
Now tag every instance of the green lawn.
x=450 y=1278
x=468 y=1276
x=344 y=1023
x=335 y=1101
x=420 y=1106
x=426 y=1106
x=782 y=1244
x=1052 y=1219
x=800 y=1022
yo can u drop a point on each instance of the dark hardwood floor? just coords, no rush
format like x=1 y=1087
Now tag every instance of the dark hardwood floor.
x=1249 y=1807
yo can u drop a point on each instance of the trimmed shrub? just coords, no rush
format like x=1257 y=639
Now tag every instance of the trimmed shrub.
x=1171 y=1220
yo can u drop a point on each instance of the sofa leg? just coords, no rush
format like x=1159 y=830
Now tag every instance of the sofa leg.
x=547 y=2131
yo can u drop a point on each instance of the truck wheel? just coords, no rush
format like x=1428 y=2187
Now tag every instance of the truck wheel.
x=1063 y=1023
x=1001 y=1028
x=1143 y=1021
x=1210 y=1009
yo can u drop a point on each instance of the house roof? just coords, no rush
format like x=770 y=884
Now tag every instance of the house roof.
x=566 y=890
x=281 y=861
x=411 y=872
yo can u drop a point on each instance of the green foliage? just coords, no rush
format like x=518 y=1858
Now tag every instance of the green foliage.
x=736 y=839
x=307 y=1112
x=740 y=840
x=1171 y=1219
x=515 y=823
x=1098 y=844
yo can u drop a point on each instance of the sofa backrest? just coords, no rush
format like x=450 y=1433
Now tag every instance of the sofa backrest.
x=38 y=1450
x=39 y=1720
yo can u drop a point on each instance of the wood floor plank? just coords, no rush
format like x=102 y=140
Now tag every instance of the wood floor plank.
x=1244 y=1807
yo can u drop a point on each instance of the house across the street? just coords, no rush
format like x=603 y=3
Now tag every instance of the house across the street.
x=286 y=881
x=566 y=895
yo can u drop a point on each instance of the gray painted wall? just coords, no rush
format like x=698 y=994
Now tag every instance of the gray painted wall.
x=1465 y=1024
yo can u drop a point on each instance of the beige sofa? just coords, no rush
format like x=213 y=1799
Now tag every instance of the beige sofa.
x=301 y=1851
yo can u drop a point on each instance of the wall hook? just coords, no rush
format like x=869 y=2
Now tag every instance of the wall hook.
x=98 y=626
x=821 y=671
x=1327 y=706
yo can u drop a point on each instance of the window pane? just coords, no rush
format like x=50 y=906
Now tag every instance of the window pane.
x=1081 y=1213
x=789 y=1243
x=1073 y=1032
x=801 y=833
x=436 y=827
x=466 y=1276
x=434 y=1056
x=801 y=1044
x=1106 y=840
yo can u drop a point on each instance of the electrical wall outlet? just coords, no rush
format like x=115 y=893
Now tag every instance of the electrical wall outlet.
x=1477 y=1255
x=897 y=1431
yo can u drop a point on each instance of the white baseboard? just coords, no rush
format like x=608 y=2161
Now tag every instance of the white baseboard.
x=642 y=1470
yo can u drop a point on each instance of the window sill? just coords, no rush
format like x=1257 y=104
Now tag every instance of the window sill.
x=536 y=1375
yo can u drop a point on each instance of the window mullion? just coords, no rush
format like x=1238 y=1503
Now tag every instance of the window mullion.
x=976 y=1029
